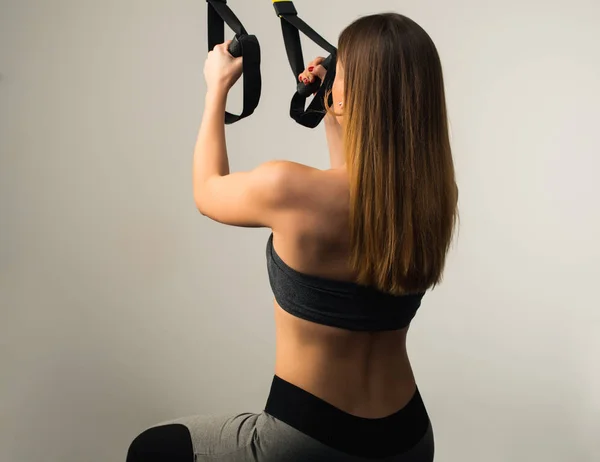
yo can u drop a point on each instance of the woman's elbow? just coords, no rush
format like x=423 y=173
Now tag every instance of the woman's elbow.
x=200 y=202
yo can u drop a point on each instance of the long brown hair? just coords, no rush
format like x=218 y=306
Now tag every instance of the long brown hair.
x=402 y=185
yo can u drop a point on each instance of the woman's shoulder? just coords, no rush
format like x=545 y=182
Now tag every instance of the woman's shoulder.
x=308 y=188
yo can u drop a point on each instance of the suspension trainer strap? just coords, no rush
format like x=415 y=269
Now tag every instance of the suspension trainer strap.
x=291 y=26
x=244 y=45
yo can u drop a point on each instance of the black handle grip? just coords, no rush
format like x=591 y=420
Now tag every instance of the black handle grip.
x=235 y=48
x=307 y=90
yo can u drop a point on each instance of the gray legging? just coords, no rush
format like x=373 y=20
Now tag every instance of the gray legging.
x=297 y=434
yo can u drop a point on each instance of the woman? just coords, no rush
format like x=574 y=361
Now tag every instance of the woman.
x=353 y=249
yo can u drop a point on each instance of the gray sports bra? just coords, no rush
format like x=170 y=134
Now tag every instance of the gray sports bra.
x=342 y=304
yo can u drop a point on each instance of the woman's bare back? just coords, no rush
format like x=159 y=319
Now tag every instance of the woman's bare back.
x=366 y=374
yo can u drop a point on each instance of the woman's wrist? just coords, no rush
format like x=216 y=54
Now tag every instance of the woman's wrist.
x=217 y=94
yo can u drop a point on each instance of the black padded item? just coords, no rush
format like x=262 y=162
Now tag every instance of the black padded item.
x=243 y=45
x=291 y=26
x=167 y=442
x=235 y=48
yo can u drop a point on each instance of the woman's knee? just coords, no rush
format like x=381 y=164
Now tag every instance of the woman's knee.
x=166 y=443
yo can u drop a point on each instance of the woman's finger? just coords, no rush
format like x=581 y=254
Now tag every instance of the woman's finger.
x=304 y=77
x=221 y=46
x=315 y=62
x=319 y=71
x=314 y=69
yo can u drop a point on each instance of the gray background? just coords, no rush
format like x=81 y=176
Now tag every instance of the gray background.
x=121 y=306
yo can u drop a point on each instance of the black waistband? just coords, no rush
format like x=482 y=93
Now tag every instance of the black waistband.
x=358 y=436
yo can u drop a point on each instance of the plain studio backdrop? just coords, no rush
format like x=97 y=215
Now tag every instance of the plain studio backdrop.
x=121 y=306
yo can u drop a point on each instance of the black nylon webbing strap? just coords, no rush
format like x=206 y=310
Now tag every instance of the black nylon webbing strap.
x=243 y=45
x=291 y=26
